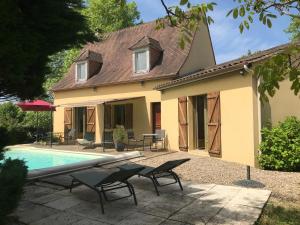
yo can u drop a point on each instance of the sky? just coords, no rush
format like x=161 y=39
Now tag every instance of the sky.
x=228 y=43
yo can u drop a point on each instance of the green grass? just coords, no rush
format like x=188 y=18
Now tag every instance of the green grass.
x=280 y=212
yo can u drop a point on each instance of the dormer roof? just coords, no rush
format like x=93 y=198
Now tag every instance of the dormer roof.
x=146 y=41
x=89 y=55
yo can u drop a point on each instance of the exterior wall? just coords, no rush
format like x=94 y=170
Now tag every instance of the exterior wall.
x=141 y=107
x=238 y=115
x=283 y=104
x=201 y=54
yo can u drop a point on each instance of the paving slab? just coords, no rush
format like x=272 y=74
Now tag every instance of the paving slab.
x=34 y=213
x=61 y=218
x=92 y=211
x=236 y=215
x=140 y=218
x=89 y=222
x=63 y=203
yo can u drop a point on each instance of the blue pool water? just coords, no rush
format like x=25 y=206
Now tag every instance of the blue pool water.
x=40 y=158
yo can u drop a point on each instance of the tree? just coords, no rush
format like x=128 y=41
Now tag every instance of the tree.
x=106 y=16
x=103 y=16
x=30 y=31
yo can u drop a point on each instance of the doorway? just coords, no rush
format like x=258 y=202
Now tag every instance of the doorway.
x=200 y=118
x=156 y=116
x=80 y=121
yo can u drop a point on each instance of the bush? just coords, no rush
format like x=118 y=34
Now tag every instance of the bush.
x=12 y=179
x=280 y=147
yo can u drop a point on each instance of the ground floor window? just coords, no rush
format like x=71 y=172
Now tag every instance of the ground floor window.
x=119 y=115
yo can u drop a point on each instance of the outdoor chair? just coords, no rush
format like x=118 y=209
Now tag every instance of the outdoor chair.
x=105 y=181
x=154 y=173
x=133 y=142
x=70 y=135
x=160 y=137
x=88 y=140
x=107 y=140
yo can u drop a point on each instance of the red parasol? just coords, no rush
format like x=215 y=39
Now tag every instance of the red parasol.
x=36 y=106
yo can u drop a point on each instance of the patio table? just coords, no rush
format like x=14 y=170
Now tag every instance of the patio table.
x=148 y=136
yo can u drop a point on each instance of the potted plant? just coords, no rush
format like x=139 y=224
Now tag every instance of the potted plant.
x=119 y=135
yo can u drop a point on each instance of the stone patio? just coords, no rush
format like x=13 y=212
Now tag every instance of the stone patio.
x=45 y=204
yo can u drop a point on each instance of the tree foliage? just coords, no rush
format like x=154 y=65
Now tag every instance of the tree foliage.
x=30 y=31
x=107 y=15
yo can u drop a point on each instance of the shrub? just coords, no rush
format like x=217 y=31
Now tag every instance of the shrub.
x=280 y=147
x=119 y=134
x=12 y=179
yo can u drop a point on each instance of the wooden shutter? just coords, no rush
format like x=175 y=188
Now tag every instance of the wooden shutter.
x=90 y=119
x=214 y=124
x=68 y=119
x=183 y=124
x=107 y=117
x=128 y=116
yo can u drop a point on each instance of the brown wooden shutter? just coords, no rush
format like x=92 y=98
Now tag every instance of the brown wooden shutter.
x=128 y=116
x=214 y=124
x=183 y=124
x=107 y=117
x=68 y=119
x=90 y=119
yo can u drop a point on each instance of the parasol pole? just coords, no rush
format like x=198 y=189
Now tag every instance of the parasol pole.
x=51 y=128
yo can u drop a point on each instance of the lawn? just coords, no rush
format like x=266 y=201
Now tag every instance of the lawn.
x=280 y=212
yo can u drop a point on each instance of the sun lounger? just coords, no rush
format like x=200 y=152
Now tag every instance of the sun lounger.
x=108 y=180
x=164 y=170
x=87 y=141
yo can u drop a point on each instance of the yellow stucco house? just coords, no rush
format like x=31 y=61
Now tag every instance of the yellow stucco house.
x=139 y=77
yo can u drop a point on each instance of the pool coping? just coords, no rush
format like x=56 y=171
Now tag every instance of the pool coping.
x=72 y=167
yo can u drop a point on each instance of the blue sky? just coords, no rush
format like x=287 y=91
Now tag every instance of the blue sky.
x=227 y=41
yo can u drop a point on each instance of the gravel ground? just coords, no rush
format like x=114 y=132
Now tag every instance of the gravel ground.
x=284 y=185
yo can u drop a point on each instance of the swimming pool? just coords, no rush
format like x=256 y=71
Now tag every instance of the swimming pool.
x=49 y=162
x=36 y=158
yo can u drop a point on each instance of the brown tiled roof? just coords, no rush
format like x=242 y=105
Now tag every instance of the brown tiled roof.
x=146 y=41
x=89 y=55
x=117 y=57
x=224 y=68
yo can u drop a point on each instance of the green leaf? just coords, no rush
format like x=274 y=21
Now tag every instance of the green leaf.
x=269 y=23
x=261 y=16
x=250 y=19
x=235 y=13
x=242 y=11
x=241 y=28
x=246 y=24
x=183 y=2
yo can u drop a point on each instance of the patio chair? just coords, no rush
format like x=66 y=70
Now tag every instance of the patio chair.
x=70 y=135
x=105 y=181
x=133 y=142
x=164 y=170
x=87 y=141
x=159 y=138
x=107 y=140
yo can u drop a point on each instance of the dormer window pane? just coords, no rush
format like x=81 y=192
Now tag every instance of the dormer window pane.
x=81 y=71
x=141 y=61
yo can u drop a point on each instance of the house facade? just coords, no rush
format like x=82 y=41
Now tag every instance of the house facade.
x=139 y=77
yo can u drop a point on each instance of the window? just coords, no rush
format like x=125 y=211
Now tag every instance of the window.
x=141 y=61
x=81 y=71
x=123 y=115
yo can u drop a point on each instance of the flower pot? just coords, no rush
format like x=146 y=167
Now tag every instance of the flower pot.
x=120 y=147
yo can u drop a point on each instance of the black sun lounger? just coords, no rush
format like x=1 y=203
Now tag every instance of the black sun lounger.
x=104 y=181
x=154 y=173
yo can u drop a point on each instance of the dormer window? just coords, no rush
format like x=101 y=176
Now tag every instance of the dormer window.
x=81 y=71
x=146 y=53
x=88 y=64
x=141 y=60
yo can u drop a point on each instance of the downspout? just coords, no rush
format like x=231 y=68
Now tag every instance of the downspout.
x=259 y=111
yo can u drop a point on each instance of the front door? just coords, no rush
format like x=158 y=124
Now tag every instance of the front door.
x=80 y=121
x=156 y=116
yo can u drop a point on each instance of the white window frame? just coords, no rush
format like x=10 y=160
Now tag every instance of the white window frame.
x=86 y=72
x=147 y=58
